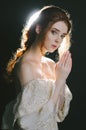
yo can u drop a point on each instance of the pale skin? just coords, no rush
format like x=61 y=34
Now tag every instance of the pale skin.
x=34 y=65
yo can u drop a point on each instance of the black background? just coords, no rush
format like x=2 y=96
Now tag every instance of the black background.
x=13 y=15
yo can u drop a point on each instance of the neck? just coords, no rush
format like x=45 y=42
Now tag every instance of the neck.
x=34 y=53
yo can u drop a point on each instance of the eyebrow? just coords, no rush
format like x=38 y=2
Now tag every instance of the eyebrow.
x=59 y=31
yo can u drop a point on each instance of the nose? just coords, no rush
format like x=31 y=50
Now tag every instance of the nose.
x=58 y=40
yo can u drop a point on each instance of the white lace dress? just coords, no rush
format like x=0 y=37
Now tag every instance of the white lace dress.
x=33 y=108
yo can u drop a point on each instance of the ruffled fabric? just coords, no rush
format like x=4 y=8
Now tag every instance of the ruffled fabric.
x=34 y=109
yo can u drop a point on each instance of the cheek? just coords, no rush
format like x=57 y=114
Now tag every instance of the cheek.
x=61 y=41
x=49 y=38
x=46 y=40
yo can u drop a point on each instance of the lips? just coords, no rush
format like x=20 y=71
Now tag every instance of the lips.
x=54 y=46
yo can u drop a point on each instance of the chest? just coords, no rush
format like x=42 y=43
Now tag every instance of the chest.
x=44 y=71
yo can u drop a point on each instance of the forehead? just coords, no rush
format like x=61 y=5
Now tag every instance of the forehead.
x=60 y=26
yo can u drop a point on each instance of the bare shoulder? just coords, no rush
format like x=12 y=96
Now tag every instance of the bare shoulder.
x=25 y=66
x=24 y=73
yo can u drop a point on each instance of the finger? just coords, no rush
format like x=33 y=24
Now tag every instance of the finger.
x=66 y=58
x=69 y=62
x=61 y=61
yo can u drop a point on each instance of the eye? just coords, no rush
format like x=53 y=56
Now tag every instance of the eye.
x=53 y=32
x=62 y=36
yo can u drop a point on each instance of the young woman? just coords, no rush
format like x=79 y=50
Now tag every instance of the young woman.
x=43 y=98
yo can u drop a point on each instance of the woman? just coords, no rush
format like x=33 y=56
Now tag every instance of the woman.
x=43 y=98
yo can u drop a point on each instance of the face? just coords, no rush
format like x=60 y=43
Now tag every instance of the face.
x=55 y=36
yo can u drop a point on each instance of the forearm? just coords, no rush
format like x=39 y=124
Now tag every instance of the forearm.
x=62 y=98
x=62 y=70
x=57 y=95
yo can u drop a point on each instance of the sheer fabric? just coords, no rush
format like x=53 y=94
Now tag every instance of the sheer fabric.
x=34 y=110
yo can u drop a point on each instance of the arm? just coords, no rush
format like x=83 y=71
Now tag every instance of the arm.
x=61 y=99
x=62 y=69
x=62 y=108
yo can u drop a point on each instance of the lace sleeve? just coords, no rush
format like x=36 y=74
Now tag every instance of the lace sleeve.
x=61 y=114
x=34 y=109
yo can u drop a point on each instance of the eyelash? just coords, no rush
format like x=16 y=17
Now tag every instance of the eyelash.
x=62 y=36
x=54 y=32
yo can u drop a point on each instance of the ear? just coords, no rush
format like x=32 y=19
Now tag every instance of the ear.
x=38 y=29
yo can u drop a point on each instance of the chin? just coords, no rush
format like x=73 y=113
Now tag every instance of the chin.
x=51 y=51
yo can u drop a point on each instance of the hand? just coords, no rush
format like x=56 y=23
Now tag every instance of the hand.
x=63 y=67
